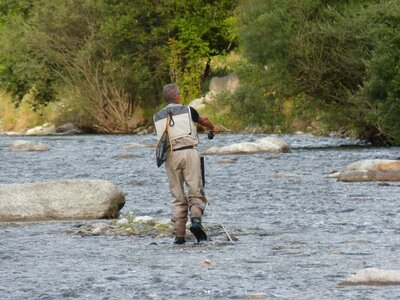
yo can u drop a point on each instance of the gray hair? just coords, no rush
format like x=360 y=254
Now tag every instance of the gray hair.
x=170 y=92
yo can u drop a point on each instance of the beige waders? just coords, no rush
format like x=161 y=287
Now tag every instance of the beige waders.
x=184 y=167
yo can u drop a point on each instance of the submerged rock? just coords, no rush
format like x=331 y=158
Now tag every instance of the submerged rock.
x=126 y=156
x=268 y=144
x=128 y=226
x=371 y=170
x=228 y=161
x=207 y=262
x=60 y=200
x=286 y=175
x=136 y=145
x=145 y=226
x=373 y=276
x=25 y=146
x=257 y=296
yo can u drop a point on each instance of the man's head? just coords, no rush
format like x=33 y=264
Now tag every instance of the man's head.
x=171 y=93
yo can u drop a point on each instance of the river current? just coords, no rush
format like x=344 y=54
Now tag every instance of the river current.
x=299 y=233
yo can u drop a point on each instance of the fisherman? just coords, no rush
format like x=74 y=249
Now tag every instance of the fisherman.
x=182 y=164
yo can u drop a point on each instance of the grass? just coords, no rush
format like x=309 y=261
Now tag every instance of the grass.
x=23 y=117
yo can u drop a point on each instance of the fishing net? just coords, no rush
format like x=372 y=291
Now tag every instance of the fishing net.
x=163 y=148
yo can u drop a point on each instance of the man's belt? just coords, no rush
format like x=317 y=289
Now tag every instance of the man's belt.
x=183 y=148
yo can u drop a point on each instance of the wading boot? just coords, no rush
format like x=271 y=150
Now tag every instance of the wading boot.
x=197 y=230
x=179 y=240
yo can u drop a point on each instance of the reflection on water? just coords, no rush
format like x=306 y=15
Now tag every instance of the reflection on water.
x=299 y=233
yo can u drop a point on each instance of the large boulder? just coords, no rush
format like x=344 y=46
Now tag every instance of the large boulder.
x=24 y=146
x=198 y=104
x=373 y=276
x=371 y=170
x=60 y=200
x=268 y=144
x=227 y=83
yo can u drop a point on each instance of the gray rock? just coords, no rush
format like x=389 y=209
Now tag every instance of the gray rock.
x=60 y=200
x=143 y=219
x=143 y=132
x=371 y=170
x=21 y=146
x=210 y=97
x=99 y=228
x=333 y=175
x=198 y=104
x=373 y=276
x=44 y=129
x=123 y=221
x=268 y=144
x=67 y=128
x=227 y=83
x=227 y=161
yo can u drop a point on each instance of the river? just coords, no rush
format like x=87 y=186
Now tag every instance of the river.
x=299 y=233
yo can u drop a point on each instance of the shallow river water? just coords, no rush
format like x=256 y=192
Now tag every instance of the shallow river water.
x=299 y=233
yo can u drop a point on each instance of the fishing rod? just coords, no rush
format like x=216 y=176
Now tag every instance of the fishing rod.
x=210 y=136
x=219 y=221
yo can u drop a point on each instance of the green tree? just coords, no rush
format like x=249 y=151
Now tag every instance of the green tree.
x=198 y=31
x=108 y=57
x=14 y=12
x=380 y=92
x=322 y=54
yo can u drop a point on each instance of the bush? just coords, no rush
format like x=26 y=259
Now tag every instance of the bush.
x=381 y=90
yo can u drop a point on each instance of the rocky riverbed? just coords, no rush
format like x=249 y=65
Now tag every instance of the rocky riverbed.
x=298 y=234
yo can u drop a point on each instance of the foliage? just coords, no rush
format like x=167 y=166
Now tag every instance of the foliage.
x=199 y=30
x=12 y=8
x=106 y=58
x=381 y=89
x=328 y=55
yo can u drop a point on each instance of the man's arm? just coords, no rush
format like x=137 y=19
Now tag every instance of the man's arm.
x=204 y=121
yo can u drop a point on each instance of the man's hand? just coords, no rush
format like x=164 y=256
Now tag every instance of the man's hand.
x=216 y=130
x=204 y=121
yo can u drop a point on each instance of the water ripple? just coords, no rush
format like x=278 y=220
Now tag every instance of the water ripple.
x=299 y=233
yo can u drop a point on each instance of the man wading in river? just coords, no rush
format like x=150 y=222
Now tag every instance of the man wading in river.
x=177 y=146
